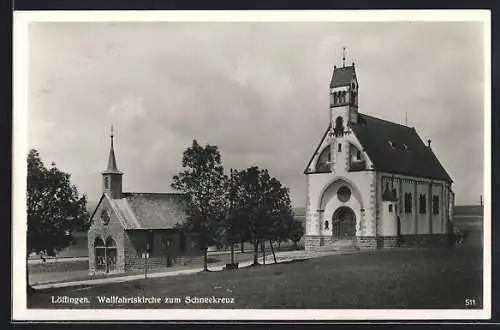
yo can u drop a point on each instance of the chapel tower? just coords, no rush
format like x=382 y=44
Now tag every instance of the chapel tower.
x=112 y=177
x=343 y=97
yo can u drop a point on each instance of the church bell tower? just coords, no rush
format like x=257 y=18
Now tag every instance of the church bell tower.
x=343 y=97
x=111 y=177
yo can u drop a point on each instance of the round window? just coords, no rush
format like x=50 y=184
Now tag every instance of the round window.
x=343 y=194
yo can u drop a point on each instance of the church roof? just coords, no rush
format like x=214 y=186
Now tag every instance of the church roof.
x=342 y=76
x=149 y=210
x=398 y=149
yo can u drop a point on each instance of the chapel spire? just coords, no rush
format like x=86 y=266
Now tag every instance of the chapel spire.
x=112 y=178
x=112 y=168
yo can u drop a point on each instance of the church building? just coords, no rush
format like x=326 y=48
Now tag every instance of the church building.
x=373 y=183
x=127 y=227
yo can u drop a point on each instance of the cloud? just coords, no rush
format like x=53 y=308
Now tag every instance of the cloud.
x=259 y=91
x=130 y=108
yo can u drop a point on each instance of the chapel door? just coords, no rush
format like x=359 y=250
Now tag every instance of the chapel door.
x=344 y=223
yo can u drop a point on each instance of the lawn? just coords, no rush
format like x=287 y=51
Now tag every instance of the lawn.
x=403 y=278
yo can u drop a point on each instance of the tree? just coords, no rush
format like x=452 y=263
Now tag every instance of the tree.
x=203 y=184
x=263 y=205
x=296 y=232
x=54 y=208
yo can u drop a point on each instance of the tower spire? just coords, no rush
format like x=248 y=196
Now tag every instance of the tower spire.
x=112 y=159
x=343 y=57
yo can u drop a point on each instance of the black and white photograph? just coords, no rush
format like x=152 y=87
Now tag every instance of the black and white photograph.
x=286 y=165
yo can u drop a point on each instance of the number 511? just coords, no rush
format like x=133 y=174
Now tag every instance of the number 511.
x=470 y=302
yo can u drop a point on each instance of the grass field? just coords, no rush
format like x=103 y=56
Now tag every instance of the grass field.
x=403 y=278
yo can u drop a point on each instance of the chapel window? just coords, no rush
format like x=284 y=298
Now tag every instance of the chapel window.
x=339 y=126
x=422 y=205
x=408 y=203
x=105 y=217
x=326 y=224
x=435 y=204
x=344 y=194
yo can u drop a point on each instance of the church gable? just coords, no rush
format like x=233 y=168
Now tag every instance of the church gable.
x=321 y=156
x=105 y=214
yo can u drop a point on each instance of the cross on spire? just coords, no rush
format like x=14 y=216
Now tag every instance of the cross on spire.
x=343 y=57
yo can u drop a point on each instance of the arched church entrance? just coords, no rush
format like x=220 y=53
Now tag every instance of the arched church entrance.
x=111 y=255
x=344 y=223
x=105 y=255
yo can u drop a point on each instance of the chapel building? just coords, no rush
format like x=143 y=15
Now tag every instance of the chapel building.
x=372 y=183
x=127 y=227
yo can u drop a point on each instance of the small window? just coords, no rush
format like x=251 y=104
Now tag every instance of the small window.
x=105 y=217
x=358 y=155
x=106 y=182
x=326 y=224
x=390 y=207
x=435 y=204
x=408 y=203
x=353 y=85
x=422 y=207
x=339 y=148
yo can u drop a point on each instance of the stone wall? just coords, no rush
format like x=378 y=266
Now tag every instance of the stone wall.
x=160 y=257
x=430 y=240
x=319 y=243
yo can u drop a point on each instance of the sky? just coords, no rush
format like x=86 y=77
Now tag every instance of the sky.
x=257 y=90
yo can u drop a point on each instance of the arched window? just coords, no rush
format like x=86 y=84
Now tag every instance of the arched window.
x=408 y=203
x=339 y=123
x=422 y=206
x=98 y=242
x=110 y=243
x=326 y=224
x=344 y=97
x=323 y=163
x=435 y=204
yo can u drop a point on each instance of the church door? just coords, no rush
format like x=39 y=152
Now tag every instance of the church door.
x=344 y=223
